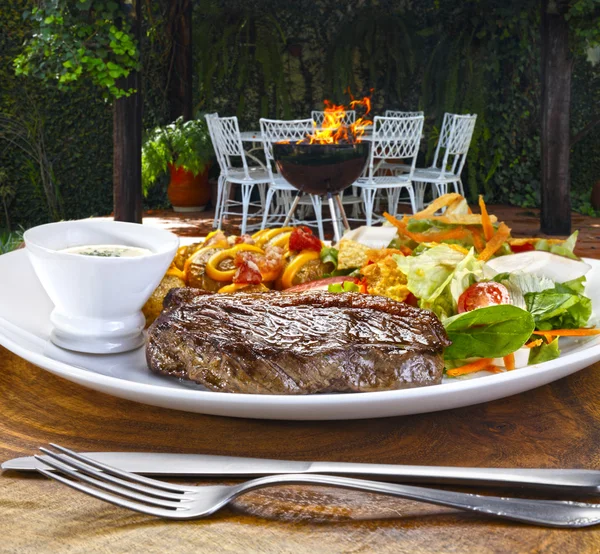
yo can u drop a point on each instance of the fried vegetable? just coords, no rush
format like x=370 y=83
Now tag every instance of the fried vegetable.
x=153 y=307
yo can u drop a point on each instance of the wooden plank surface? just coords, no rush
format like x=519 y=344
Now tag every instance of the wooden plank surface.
x=557 y=425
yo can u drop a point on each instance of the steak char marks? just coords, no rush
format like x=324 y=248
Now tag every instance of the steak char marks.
x=278 y=343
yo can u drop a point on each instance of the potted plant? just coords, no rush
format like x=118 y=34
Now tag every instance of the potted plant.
x=185 y=150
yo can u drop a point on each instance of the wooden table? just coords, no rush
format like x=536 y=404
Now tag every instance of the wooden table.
x=557 y=425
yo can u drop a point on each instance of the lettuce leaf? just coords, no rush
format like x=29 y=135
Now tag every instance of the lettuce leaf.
x=560 y=307
x=518 y=284
x=438 y=276
x=544 y=352
x=491 y=332
x=564 y=249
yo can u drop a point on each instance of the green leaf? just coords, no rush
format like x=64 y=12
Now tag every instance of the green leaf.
x=329 y=254
x=559 y=308
x=490 y=332
x=544 y=352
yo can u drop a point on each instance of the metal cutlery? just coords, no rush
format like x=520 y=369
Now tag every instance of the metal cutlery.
x=172 y=501
x=572 y=481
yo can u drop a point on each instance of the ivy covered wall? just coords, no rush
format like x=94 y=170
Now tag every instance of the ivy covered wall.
x=279 y=58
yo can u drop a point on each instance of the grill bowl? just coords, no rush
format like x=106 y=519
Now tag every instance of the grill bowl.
x=321 y=168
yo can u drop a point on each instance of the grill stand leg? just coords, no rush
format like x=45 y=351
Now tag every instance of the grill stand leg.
x=335 y=219
x=292 y=210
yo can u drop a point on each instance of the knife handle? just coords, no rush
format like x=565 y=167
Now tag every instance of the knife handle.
x=583 y=481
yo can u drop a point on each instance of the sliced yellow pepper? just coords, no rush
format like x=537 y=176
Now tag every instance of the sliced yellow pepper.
x=234 y=287
x=296 y=265
x=175 y=272
x=218 y=245
x=283 y=240
x=272 y=233
x=260 y=233
x=212 y=266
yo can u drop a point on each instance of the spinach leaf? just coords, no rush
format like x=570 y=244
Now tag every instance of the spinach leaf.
x=559 y=308
x=490 y=332
x=544 y=352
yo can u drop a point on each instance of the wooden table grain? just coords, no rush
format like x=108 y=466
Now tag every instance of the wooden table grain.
x=557 y=425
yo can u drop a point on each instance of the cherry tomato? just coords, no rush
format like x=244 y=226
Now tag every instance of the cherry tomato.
x=481 y=295
x=527 y=247
x=302 y=238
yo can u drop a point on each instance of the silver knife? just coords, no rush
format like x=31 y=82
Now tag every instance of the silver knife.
x=583 y=481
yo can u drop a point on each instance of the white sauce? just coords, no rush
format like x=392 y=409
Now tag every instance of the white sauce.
x=108 y=250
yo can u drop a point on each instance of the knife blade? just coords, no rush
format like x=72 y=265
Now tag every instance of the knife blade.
x=583 y=481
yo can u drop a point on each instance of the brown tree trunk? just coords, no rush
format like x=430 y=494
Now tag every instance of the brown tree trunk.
x=127 y=137
x=180 y=77
x=557 y=67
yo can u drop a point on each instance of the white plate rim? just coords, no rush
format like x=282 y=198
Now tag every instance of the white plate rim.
x=552 y=369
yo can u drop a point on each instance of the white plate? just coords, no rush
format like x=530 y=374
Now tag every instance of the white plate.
x=25 y=328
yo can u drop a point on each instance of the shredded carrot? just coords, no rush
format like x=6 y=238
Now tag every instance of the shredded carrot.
x=494 y=369
x=496 y=242
x=509 y=361
x=452 y=234
x=488 y=229
x=478 y=241
x=534 y=343
x=567 y=333
x=472 y=367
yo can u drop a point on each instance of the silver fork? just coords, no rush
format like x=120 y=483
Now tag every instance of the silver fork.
x=172 y=501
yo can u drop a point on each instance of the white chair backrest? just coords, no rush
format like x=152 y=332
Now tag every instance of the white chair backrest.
x=227 y=142
x=394 y=113
x=455 y=139
x=210 y=117
x=319 y=117
x=276 y=130
x=393 y=138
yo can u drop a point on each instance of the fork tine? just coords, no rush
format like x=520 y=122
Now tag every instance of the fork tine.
x=120 y=473
x=79 y=466
x=112 y=488
x=138 y=507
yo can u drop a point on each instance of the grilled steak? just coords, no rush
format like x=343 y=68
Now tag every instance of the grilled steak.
x=280 y=343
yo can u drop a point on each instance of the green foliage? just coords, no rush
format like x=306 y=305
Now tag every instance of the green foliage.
x=7 y=192
x=9 y=241
x=75 y=40
x=185 y=144
x=244 y=47
x=376 y=43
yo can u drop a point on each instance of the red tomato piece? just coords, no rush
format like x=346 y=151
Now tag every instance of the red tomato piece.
x=302 y=238
x=527 y=247
x=248 y=274
x=482 y=295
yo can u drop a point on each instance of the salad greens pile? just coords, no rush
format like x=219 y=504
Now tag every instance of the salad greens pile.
x=438 y=274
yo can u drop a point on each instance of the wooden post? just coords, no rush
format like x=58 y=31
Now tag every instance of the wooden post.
x=127 y=137
x=180 y=66
x=557 y=67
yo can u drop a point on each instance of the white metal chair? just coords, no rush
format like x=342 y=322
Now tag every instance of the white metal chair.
x=393 y=137
x=455 y=138
x=276 y=130
x=396 y=113
x=225 y=134
x=319 y=117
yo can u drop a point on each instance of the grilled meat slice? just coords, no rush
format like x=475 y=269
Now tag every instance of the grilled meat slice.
x=280 y=343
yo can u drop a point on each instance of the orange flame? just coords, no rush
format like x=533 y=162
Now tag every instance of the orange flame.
x=335 y=129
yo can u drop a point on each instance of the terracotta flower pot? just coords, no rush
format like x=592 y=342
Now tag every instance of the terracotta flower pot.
x=188 y=192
